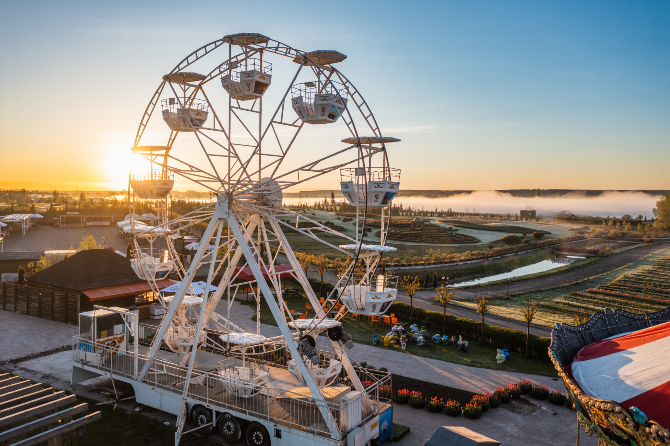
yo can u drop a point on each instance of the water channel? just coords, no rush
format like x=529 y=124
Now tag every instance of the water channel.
x=539 y=267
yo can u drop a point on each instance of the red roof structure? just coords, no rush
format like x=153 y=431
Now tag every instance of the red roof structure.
x=246 y=274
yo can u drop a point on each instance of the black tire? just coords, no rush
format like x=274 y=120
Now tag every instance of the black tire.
x=202 y=417
x=230 y=428
x=258 y=435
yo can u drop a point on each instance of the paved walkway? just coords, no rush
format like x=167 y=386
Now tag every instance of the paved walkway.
x=22 y=335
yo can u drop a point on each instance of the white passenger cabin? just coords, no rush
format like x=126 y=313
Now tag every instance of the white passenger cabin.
x=371 y=297
x=382 y=185
x=152 y=185
x=152 y=268
x=247 y=80
x=184 y=114
x=184 y=119
x=318 y=103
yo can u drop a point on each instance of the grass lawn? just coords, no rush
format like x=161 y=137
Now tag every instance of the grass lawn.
x=477 y=356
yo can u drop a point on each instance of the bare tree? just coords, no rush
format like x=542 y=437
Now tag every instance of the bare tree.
x=321 y=265
x=528 y=311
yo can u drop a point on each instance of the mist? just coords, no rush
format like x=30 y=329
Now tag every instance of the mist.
x=612 y=204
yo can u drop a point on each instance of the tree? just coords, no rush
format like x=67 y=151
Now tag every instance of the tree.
x=36 y=267
x=483 y=306
x=511 y=239
x=305 y=260
x=435 y=279
x=55 y=197
x=628 y=227
x=411 y=285
x=579 y=318
x=663 y=212
x=537 y=235
x=528 y=312
x=82 y=197
x=332 y=198
x=87 y=243
x=22 y=274
x=444 y=296
x=339 y=267
x=425 y=280
x=321 y=265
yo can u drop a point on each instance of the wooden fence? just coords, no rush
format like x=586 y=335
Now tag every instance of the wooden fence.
x=40 y=302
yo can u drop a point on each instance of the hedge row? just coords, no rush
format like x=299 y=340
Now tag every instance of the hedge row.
x=470 y=329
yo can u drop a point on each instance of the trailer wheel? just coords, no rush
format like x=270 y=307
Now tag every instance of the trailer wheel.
x=202 y=417
x=257 y=435
x=230 y=428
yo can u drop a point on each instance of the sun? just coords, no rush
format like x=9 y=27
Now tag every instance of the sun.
x=118 y=163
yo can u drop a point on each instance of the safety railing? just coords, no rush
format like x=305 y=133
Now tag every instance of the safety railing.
x=277 y=405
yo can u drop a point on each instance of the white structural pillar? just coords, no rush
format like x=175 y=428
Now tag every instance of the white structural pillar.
x=283 y=327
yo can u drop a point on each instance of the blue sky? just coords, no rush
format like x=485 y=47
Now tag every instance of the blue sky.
x=484 y=95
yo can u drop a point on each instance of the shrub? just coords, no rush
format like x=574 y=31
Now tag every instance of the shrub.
x=556 y=397
x=511 y=239
x=537 y=235
x=502 y=393
x=452 y=406
x=539 y=391
x=415 y=397
x=402 y=394
x=472 y=409
x=514 y=390
x=646 y=238
x=525 y=386
x=435 y=402
x=481 y=401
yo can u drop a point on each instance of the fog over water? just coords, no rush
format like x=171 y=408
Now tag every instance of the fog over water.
x=612 y=204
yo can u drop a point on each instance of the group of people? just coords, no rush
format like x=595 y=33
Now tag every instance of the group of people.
x=399 y=335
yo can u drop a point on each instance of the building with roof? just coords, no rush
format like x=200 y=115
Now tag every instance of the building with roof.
x=98 y=277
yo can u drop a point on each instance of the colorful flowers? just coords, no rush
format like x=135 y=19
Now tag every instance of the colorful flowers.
x=415 y=397
x=452 y=406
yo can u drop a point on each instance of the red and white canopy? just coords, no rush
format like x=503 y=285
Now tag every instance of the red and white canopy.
x=632 y=369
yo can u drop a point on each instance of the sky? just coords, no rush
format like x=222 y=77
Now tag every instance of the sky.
x=483 y=94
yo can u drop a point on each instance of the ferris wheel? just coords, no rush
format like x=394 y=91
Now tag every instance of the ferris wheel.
x=232 y=138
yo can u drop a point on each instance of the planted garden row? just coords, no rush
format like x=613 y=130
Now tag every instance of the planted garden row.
x=479 y=403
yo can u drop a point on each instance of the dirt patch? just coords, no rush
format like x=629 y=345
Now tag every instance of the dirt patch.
x=521 y=406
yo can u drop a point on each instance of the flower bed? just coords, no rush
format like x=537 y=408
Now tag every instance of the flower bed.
x=472 y=411
x=539 y=391
x=452 y=408
x=435 y=405
x=502 y=393
x=416 y=400
x=401 y=397
x=556 y=397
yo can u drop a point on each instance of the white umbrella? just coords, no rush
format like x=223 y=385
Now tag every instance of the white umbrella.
x=35 y=216
x=3 y=224
x=196 y=245
x=198 y=288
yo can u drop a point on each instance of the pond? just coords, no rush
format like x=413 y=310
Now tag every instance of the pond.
x=539 y=267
